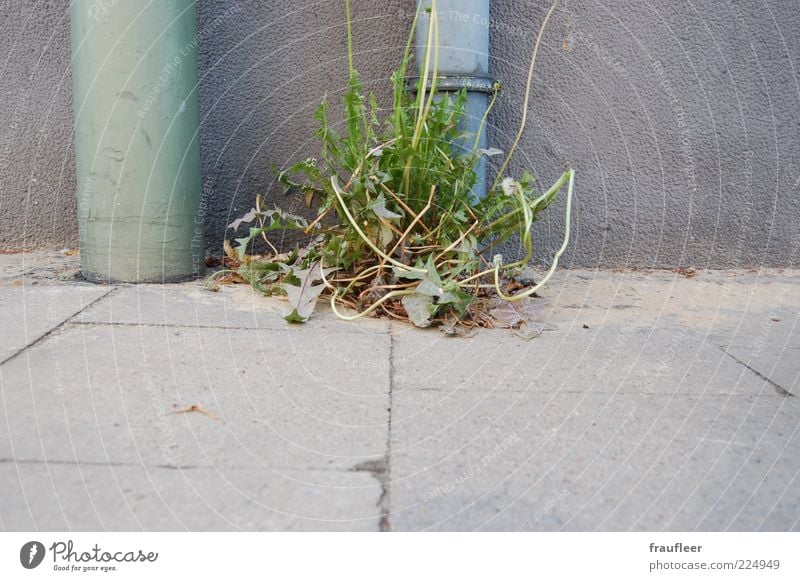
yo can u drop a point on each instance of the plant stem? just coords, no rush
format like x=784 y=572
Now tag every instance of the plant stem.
x=375 y=305
x=416 y=219
x=527 y=97
x=338 y=192
x=554 y=188
x=401 y=76
x=485 y=118
x=433 y=44
x=371 y=308
x=553 y=266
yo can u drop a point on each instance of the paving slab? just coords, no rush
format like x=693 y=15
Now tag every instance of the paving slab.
x=27 y=313
x=650 y=402
x=111 y=393
x=715 y=300
x=86 y=497
x=231 y=307
x=627 y=413
x=44 y=267
x=531 y=461
x=771 y=349
x=609 y=358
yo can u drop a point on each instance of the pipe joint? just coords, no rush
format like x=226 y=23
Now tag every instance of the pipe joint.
x=472 y=83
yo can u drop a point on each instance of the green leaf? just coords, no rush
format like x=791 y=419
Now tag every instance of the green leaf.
x=431 y=284
x=303 y=296
x=378 y=205
x=387 y=235
x=419 y=309
x=409 y=274
x=294 y=318
x=241 y=249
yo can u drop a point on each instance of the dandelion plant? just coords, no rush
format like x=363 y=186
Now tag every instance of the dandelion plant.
x=398 y=232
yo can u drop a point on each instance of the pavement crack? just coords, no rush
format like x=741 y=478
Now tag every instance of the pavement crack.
x=190 y=327
x=64 y=462
x=101 y=464
x=183 y=467
x=57 y=328
x=385 y=525
x=780 y=389
x=381 y=468
x=167 y=326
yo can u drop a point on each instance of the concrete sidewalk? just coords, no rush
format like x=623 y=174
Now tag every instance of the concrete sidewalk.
x=653 y=401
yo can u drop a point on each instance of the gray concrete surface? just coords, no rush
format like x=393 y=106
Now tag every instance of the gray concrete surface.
x=652 y=401
x=681 y=118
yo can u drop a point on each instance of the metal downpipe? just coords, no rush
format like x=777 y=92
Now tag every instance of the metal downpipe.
x=137 y=143
x=463 y=62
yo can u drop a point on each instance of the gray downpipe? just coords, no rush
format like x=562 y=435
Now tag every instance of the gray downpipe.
x=463 y=62
x=136 y=140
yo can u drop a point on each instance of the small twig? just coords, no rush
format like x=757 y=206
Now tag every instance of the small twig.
x=195 y=409
x=319 y=219
x=404 y=205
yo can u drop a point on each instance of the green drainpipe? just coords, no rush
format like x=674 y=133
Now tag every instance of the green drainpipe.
x=137 y=148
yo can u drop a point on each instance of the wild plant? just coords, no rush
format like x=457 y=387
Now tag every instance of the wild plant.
x=398 y=231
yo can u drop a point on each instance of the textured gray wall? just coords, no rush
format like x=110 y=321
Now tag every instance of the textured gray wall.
x=681 y=118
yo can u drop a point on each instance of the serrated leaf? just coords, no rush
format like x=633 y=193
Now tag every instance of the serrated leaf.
x=303 y=296
x=278 y=220
x=453 y=295
x=262 y=272
x=246 y=219
x=241 y=249
x=460 y=216
x=431 y=284
x=409 y=274
x=429 y=288
x=294 y=318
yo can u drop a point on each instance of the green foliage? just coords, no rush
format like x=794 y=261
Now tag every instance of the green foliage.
x=397 y=221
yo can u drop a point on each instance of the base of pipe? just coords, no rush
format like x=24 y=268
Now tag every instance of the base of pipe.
x=95 y=278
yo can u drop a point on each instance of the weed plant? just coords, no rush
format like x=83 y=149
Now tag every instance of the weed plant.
x=398 y=231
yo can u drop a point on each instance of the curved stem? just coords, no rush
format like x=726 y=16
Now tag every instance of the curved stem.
x=553 y=266
x=485 y=118
x=261 y=225
x=355 y=281
x=527 y=97
x=432 y=44
x=554 y=188
x=371 y=308
x=528 y=223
